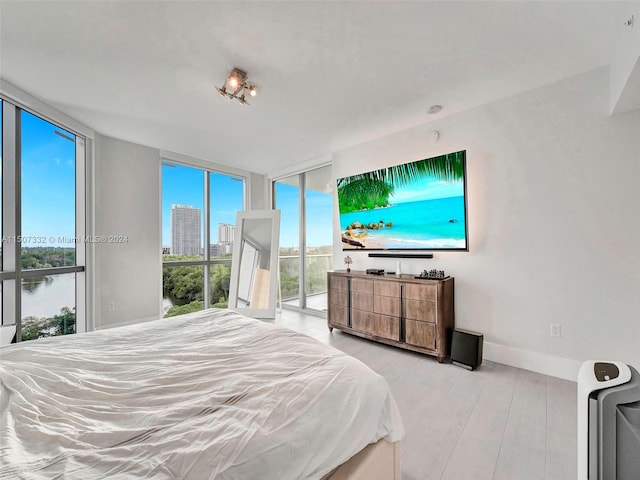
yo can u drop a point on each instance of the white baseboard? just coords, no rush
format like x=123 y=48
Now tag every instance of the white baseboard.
x=546 y=364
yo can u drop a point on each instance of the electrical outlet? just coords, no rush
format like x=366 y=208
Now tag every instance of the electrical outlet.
x=111 y=306
x=554 y=329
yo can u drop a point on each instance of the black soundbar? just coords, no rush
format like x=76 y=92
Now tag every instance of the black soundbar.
x=401 y=255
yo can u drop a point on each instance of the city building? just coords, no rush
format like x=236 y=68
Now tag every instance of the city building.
x=220 y=249
x=185 y=230
x=226 y=232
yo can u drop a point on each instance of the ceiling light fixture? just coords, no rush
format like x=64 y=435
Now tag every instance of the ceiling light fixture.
x=236 y=85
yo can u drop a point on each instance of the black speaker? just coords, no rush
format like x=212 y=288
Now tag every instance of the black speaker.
x=466 y=349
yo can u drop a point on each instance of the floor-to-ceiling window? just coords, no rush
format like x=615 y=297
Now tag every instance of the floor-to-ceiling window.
x=1 y=231
x=286 y=195
x=43 y=235
x=198 y=225
x=306 y=246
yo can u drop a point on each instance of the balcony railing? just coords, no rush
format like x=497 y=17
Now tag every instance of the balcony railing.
x=316 y=266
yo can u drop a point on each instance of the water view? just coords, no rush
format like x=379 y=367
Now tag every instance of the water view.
x=46 y=296
x=437 y=223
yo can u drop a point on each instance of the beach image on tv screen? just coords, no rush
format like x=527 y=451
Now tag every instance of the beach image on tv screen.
x=417 y=205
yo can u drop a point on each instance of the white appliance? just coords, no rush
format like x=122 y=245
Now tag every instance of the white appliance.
x=608 y=421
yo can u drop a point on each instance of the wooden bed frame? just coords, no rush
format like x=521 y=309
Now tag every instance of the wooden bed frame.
x=377 y=461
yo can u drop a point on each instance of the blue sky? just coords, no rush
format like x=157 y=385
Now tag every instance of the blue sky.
x=185 y=186
x=287 y=203
x=427 y=189
x=319 y=216
x=48 y=180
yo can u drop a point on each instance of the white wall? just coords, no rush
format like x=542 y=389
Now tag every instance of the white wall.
x=624 y=79
x=259 y=192
x=127 y=202
x=554 y=225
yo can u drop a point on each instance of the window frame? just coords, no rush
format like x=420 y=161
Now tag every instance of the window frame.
x=301 y=175
x=12 y=273
x=206 y=261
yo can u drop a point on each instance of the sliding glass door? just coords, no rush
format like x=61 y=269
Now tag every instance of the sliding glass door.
x=286 y=194
x=306 y=245
x=318 y=204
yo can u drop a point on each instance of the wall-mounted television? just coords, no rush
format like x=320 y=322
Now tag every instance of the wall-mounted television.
x=420 y=205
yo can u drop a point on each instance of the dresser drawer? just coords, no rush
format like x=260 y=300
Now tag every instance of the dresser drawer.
x=361 y=320
x=375 y=324
x=362 y=285
x=426 y=292
x=418 y=310
x=420 y=334
x=339 y=297
x=362 y=301
x=388 y=289
x=386 y=327
x=338 y=283
x=338 y=315
x=386 y=305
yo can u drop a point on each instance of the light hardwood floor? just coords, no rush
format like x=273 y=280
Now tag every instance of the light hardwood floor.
x=497 y=422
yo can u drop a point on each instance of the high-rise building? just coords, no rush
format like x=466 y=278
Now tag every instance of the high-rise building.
x=226 y=232
x=219 y=249
x=185 y=230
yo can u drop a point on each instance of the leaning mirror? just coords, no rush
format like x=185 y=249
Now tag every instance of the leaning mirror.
x=254 y=266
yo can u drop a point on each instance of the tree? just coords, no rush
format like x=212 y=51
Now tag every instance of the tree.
x=354 y=190
x=364 y=194
x=34 y=327
x=289 y=286
x=220 y=279
x=47 y=257
x=63 y=323
x=316 y=275
x=184 y=286
x=182 y=309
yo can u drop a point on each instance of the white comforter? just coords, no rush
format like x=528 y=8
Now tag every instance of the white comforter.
x=205 y=395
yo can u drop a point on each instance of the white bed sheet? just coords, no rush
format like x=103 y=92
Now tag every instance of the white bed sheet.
x=207 y=395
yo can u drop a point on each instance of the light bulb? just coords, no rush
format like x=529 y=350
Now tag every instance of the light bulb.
x=252 y=91
x=233 y=82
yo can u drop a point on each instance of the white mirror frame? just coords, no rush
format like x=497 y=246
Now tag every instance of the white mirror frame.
x=242 y=218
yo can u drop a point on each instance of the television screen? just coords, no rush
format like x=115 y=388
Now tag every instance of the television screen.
x=413 y=206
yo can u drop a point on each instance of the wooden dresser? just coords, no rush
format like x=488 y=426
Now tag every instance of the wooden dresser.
x=399 y=310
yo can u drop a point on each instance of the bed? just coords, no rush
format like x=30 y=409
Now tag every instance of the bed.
x=211 y=394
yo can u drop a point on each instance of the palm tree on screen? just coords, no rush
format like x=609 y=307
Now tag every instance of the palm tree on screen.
x=372 y=189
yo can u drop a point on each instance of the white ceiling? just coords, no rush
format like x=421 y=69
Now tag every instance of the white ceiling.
x=331 y=74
